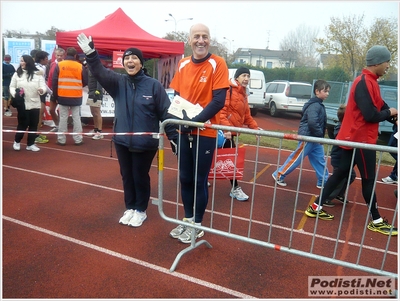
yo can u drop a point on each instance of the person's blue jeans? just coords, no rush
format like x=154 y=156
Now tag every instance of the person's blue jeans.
x=315 y=153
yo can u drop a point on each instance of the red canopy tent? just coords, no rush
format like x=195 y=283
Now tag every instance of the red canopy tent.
x=118 y=32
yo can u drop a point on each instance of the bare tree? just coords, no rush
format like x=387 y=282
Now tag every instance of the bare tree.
x=37 y=36
x=180 y=36
x=14 y=34
x=301 y=41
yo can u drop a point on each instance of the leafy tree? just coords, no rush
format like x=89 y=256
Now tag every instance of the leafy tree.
x=349 y=39
x=385 y=32
x=51 y=33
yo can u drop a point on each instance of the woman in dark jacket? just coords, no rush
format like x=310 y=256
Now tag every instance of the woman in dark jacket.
x=141 y=103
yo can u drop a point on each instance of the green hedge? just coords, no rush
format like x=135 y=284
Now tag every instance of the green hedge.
x=301 y=74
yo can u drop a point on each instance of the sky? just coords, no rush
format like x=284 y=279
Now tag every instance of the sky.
x=244 y=24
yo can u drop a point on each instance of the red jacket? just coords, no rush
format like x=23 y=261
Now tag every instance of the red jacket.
x=365 y=109
x=236 y=111
x=49 y=78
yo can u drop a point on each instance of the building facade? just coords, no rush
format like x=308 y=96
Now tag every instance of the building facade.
x=265 y=58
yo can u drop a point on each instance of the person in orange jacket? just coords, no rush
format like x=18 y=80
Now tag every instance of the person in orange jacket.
x=236 y=112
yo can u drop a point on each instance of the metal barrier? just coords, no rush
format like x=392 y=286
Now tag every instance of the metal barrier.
x=257 y=225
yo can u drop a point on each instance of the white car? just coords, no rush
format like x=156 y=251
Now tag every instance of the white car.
x=285 y=96
x=170 y=93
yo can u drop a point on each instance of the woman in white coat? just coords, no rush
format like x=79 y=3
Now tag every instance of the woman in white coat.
x=27 y=82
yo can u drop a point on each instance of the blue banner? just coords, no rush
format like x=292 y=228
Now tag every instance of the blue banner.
x=48 y=46
x=18 y=47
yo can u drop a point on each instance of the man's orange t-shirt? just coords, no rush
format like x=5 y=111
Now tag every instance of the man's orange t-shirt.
x=195 y=82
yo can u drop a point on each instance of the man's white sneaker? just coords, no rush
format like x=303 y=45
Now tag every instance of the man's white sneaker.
x=128 y=214
x=238 y=194
x=33 y=148
x=97 y=136
x=54 y=129
x=8 y=113
x=389 y=180
x=16 y=146
x=137 y=219
x=186 y=237
x=178 y=230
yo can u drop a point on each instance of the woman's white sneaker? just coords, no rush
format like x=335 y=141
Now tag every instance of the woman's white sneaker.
x=124 y=220
x=137 y=219
x=17 y=146
x=33 y=148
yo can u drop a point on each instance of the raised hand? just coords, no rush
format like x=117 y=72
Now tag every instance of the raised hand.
x=85 y=43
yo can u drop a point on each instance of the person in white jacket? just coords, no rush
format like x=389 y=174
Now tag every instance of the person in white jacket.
x=28 y=83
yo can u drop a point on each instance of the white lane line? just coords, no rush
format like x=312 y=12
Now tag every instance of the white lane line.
x=63 y=178
x=133 y=260
x=301 y=231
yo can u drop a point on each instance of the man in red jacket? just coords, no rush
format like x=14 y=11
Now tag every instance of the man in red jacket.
x=365 y=109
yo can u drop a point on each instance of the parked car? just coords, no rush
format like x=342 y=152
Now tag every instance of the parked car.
x=389 y=95
x=170 y=93
x=339 y=94
x=285 y=96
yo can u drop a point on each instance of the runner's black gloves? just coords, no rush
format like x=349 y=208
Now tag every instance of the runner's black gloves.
x=186 y=128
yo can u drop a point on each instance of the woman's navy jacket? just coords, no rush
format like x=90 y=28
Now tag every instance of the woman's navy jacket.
x=141 y=103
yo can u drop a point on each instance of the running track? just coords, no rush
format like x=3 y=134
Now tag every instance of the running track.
x=61 y=237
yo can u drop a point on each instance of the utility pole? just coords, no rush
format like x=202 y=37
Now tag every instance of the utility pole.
x=268 y=35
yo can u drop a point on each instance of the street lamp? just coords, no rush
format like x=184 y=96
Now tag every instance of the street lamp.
x=290 y=62
x=250 y=57
x=230 y=43
x=177 y=21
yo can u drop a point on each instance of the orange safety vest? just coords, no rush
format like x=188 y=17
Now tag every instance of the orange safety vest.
x=70 y=79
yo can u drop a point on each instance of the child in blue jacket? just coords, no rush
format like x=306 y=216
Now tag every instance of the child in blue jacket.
x=312 y=123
